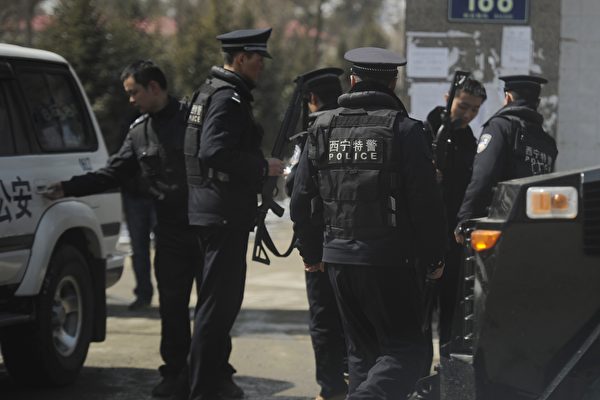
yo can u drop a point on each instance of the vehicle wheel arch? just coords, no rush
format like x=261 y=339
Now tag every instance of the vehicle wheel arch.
x=68 y=220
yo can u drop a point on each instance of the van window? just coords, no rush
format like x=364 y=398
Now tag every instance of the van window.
x=7 y=142
x=57 y=112
x=13 y=135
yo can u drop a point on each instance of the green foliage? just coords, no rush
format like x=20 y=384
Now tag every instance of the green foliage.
x=81 y=37
x=100 y=37
x=196 y=48
x=98 y=46
x=16 y=21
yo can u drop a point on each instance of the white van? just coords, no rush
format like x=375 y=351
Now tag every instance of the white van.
x=56 y=257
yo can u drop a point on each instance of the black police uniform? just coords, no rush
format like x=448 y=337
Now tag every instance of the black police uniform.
x=326 y=333
x=226 y=169
x=154 y=146
x=455 y=180
x=366 y=203
x=512 y=145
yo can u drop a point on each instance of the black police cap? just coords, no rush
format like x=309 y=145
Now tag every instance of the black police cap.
x=374 y=61
x=250 y=40
x=523 y=83
x=322 y=78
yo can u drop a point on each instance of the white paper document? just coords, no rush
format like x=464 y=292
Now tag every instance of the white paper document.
x=516 y=50
x=427 y=62
x=425 y=96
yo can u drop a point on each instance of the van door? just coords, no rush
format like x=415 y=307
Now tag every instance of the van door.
x=19 y=209
x=62 y=143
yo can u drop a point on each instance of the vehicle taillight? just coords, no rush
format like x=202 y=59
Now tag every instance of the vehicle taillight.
x=484 y=239
x=552 y=202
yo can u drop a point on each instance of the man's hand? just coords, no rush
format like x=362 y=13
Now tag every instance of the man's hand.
x=55 y=191
x=436 y=274
x=439 y=176
x=275 y=167
x=436 y=271
x=459 y=236
x=319 y=267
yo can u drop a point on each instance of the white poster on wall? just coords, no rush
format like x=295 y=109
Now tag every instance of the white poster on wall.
x=516 y=50
x=425 y=96
x=427 y=62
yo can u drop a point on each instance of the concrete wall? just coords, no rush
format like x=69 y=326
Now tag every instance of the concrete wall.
x=579 y=95
x=477 y=47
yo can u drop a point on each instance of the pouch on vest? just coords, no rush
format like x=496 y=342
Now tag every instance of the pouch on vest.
x=191 y=147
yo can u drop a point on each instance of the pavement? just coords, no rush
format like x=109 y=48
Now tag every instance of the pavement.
x=271 y=346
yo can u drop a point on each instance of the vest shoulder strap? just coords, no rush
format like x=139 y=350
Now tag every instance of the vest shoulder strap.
x=359 y=117
x=201 y=99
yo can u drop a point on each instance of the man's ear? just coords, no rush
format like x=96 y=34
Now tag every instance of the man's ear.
x=154 y=87
x=446 y=97
x=240 y=58
x=353 y=80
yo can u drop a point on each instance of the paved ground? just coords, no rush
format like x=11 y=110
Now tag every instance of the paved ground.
x=271 y=346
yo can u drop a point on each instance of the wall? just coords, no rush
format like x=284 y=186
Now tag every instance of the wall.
x=478 y=48
x=579 y=106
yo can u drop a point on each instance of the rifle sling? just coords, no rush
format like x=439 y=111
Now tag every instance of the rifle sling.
x=263 y=237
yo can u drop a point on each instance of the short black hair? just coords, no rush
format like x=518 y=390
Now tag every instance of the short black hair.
x=528 y=96
x=144 y=71
x=384 y=80
x=328 y=93
x=229 y=56
x=474 y=88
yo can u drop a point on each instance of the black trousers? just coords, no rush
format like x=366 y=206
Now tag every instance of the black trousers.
x=448 y=293
x=446 y=302
x=326 y=335
x=379 y=307
x=219 y=302
x=177 y=263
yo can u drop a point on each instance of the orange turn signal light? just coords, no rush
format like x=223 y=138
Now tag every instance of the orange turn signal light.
x=483 y=239
x=551 y=202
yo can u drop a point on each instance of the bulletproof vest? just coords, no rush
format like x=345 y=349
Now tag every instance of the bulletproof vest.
x=191 y=148
x=533 y=151
x=353 y=153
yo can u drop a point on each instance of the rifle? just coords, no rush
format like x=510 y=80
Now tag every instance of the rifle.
x=442 y=143
x=297 y=106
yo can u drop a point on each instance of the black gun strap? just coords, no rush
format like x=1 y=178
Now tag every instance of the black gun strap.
x=263 y=237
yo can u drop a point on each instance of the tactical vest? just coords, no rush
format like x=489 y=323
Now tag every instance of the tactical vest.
x=353 y=153
x=154 y=160
x=533 y=151
x=200 y=102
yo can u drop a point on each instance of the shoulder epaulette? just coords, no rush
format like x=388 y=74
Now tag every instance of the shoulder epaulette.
x=138 y=121
x=236 y=97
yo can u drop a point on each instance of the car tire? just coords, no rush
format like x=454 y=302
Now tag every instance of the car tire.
x=52 y=349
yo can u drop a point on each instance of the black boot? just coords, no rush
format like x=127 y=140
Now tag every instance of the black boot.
x=228 y=389
x=166 y=387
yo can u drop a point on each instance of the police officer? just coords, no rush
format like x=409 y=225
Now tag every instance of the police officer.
x=454 y=179
x=365 y=204
x=322 y=89
x=513 y=144
x=226 y=169
x=154 y=146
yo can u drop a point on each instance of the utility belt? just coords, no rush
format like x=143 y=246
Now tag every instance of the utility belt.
x=209 y=173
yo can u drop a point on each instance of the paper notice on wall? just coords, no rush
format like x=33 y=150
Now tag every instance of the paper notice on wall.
x=427 y=62
x=516 y=50
x=425 y=96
